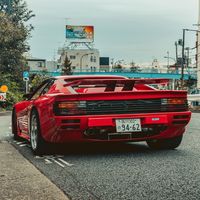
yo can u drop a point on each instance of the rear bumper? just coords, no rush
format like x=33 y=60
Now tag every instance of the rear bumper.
x=62 y=129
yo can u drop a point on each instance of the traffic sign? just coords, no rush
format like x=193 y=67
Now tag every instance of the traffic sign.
x=25 y=74
x=3 y=97
x=3 y=88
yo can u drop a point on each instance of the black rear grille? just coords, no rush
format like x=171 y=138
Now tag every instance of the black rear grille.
x=131 y=106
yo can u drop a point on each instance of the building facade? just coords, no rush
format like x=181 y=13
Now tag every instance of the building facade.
x=83 y=60
x=36 y=64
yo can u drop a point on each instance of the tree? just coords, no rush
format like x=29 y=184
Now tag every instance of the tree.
x=13 y=95
x=36 y=80
x=117 y=68
x=14 y=32
x=66 y=70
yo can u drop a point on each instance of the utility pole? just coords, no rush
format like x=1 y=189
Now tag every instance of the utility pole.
x=188 y=56
x=168 y=60
x=183 y=59
x=176 y=48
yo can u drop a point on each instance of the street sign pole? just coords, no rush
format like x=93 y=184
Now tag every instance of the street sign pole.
x=26 y=79
x=27 y=89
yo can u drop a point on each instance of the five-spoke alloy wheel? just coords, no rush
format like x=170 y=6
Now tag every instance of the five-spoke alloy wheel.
x=36 y=140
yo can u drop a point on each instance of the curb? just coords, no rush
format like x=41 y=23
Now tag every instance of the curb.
x=5 y=113
x=20 y=179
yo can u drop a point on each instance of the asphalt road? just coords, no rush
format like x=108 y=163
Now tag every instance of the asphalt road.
x=123 y=171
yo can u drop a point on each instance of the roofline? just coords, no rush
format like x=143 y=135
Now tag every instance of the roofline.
x=90 y=77
x=32 y=59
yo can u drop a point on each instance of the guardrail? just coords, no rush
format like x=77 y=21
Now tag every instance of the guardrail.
x=193 y=97
x=141 y=74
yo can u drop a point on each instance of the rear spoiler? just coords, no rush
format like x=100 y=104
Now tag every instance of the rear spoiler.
x=111 y=84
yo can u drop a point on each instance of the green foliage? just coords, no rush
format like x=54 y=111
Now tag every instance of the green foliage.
x=14 y=93
x=36 y=80
x=66 y=70
x=14 y=32
x=117 y=68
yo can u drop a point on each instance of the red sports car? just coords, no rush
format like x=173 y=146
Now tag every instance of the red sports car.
x=101 y=108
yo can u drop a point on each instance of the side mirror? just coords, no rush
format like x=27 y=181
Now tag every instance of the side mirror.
x=27 y=96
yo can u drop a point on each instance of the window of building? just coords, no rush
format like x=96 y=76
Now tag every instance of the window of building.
x=91 y=59
x=72 y=57
x=39 y=64
x=93 y=69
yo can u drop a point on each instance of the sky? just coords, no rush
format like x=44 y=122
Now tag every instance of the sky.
x=133 y=30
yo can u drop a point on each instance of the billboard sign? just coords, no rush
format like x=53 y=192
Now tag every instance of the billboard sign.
x=80 y=33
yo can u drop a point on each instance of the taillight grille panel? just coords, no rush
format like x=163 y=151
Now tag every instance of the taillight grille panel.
x=100 y=107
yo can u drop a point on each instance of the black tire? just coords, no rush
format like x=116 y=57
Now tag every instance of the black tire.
x=14 y=126
x=170 y=143
x=38 y=144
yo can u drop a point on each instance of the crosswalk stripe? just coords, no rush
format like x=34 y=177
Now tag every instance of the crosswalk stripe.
x=66 y=163
x=59 y=163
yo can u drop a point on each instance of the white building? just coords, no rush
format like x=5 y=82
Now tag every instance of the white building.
x=52 y=66
x=36 y=64
x=83 y=60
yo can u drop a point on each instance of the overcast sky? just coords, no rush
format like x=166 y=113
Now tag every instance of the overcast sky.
x=133 y=30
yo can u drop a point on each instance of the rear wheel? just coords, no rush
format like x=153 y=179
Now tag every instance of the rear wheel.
x=170 y=143
x=14 y=125
x=37 y=142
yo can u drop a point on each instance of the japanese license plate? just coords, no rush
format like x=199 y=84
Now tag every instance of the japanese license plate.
x=128 y=125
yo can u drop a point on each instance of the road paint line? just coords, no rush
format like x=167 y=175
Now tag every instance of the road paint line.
x=66 y=163
x=18 y=143
x=60 y=164
x=47 y=161
x=50 y=157
x=23 y=145
x=39 y=157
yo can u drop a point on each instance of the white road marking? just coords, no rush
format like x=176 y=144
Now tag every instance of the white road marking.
x=47 y=161
x=23 y=145
x=66 y=163
x=19 y=143
x=39 y=157
x=10 y=127
x=60 y=164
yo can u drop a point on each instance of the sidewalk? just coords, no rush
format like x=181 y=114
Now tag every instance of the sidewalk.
x=20 y=180
x=4 y=113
